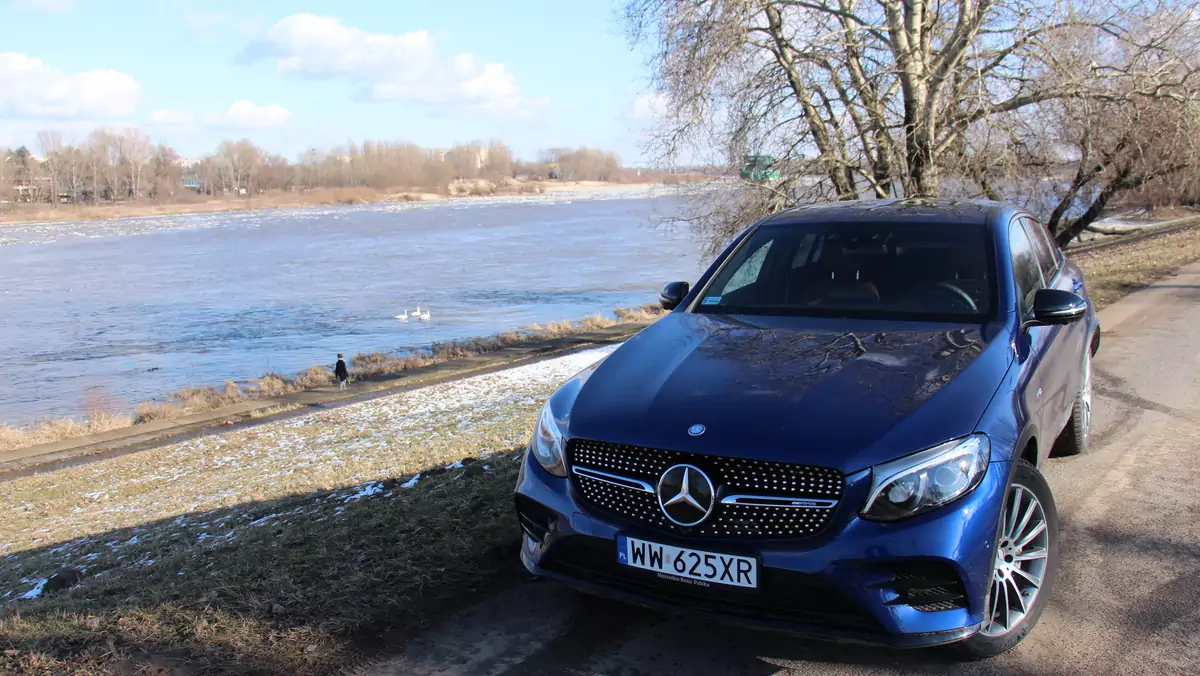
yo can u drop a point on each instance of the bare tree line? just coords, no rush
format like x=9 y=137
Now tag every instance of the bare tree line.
x=124 y=165
x=1060 y=106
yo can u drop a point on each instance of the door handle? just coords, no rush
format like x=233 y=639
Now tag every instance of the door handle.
x=1077 y=284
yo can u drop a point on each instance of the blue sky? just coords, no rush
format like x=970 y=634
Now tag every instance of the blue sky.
x=293 y=75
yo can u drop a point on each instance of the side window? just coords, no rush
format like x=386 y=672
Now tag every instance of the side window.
x=1026 y=269
x=747 y=273
x=1043 y=247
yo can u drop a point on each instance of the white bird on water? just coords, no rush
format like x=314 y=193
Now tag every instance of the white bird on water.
x=403 y=317
x=422 y=316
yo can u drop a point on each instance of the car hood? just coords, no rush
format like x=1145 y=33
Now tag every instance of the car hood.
x=832 y=392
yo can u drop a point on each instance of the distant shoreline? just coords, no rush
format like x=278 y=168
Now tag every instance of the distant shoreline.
x=21 y=214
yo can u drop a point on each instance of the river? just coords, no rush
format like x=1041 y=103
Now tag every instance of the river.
x=104 y=315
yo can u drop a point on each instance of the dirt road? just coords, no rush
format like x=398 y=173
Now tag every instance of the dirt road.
x=1127 y=601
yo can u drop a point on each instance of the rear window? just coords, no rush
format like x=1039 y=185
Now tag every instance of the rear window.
x=900 y=271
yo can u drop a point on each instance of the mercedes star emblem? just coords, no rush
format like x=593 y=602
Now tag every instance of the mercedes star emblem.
x=696 y=430
x=686 y=495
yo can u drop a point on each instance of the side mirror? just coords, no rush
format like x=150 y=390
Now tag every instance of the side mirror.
x=1054 y=306
x=673 y=294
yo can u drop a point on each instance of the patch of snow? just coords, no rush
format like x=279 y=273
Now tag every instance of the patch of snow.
x=36 y=591
x=259 y=522
x=411 y=482
x=457 y=464
x=366 y=492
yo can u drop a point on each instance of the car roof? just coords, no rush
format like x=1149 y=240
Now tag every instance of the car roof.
x=931 y=211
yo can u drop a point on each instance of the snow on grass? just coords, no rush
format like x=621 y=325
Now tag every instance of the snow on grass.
x=36 y=591
x=351 y=447
x=365 y=491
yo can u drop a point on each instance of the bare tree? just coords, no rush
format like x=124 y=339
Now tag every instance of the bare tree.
x=51 y=145
x=878 y=97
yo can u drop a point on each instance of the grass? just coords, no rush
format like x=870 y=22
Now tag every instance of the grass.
x=1115 y=272
x=46 y=431
x=288 y=548
x=364 y=367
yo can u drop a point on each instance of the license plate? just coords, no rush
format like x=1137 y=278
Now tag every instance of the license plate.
x=690 y=566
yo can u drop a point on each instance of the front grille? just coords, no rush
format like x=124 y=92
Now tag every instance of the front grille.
x=730 y=476
x=928 y=586
x=783 y=595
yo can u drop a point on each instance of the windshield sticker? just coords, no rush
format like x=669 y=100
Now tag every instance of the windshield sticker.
x=711 y=300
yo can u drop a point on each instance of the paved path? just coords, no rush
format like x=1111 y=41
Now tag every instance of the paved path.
x=1127 y=600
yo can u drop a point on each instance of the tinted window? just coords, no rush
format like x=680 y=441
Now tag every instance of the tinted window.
x=1045 y=250
x=914 y=271
x=1026 y=269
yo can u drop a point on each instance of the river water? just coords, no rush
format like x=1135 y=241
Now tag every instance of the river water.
x=110 y=314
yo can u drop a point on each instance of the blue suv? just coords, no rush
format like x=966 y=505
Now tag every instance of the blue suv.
x=836 y=432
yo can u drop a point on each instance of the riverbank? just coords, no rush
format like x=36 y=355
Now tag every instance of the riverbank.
x=13 y=213
x=216 y=554
x=272 y=391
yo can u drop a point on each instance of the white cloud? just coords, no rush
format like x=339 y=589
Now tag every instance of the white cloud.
x=56 y=6
x=649 y=107
x=248 y=115
x=390 y=67
x=31 y=88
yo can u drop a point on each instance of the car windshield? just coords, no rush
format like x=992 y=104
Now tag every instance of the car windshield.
x=896 y=271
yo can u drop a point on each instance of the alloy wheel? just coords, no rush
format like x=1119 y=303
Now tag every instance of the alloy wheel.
x=1020 y=562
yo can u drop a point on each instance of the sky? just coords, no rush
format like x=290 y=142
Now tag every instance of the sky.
x=297 y=74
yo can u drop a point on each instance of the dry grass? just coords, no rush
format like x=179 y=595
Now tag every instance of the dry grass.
x=1115 y=272
x=48 y=431
x=303 y=593
x=315 y=377
x=189 y=400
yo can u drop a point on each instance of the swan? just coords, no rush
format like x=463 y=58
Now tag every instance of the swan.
x=403 y=317
x=423 y=316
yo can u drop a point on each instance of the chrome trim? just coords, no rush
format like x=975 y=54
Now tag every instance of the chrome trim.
x=614 y=479
x=772 y=501
x=685 y=494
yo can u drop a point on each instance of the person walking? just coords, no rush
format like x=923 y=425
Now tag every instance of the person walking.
x=342 y=374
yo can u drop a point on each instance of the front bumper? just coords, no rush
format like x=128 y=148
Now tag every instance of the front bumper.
x=844 y=584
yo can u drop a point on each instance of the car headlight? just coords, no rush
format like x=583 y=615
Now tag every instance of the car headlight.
x=547 y=445
x=923 y=481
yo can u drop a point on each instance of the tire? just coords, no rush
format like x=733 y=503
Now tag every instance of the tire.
x=1003 y=629
x=1076 y=438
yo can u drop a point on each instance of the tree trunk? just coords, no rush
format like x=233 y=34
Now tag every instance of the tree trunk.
x=1119 y=183
x=922 y=170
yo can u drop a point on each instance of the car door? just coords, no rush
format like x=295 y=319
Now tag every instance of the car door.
x=1032 y=343
x=1062 y=351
